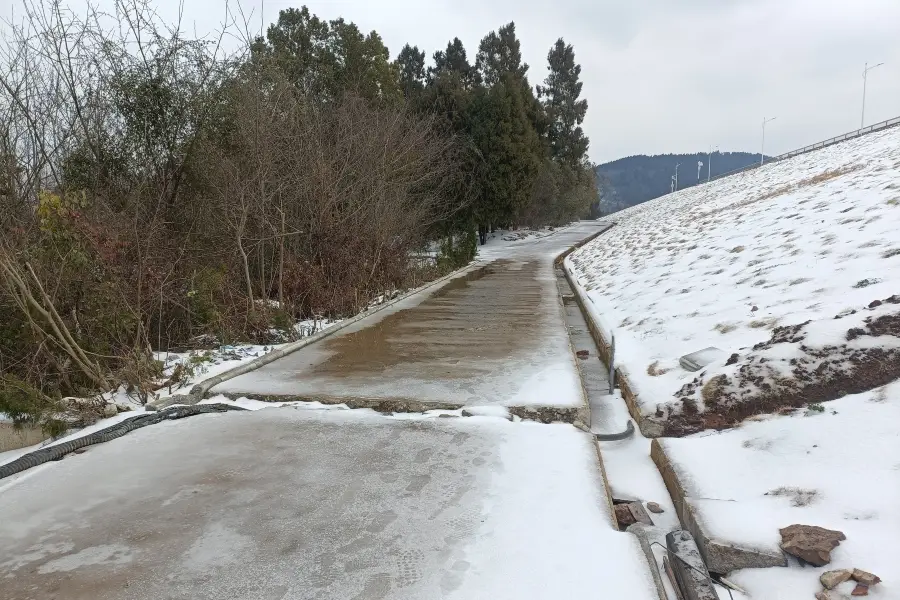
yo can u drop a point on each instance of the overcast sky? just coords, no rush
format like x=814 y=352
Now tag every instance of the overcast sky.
x=665 y=75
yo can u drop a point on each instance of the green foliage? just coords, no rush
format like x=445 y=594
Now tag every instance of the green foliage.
x=509 y=148
x=457 y=250
x=500 y=56
x=565 y=111
x=207 y=288
x=27 y=405
x=327 y=59
x=411 y=66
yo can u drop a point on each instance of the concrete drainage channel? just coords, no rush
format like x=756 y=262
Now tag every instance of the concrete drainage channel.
x=673 y=556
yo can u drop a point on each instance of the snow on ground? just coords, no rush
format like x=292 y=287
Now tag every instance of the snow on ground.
x=502 y=240
x=838 y=468
x=724 y=264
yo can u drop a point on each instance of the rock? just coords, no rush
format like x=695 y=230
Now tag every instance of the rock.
x=581 y=426
x=583 y=354
x=875 y=303
x=810 y=543
x=640 y=515
x=864 y=577
x=123 y=407
x=832 y=579
x=467 y=413
x=860 y=590
x=754 y=309
x=624 y=516
x=150 y=408
x=110 y=410
x=655 y=508
x=823 y=595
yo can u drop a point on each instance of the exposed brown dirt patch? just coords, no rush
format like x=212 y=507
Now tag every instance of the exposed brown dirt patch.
x=818 y=375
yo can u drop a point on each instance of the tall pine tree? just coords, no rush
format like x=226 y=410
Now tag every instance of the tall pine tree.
x=564 y=110
x=411 y=66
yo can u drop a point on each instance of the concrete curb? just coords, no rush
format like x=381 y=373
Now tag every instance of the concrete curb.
x=200 y=390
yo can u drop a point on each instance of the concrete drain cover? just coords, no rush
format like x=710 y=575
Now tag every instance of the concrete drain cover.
x=568 y=300
x=701 y=358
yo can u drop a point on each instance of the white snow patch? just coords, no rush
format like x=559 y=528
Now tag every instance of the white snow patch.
x=500 y=412
x=107 y=554
x=550 y=496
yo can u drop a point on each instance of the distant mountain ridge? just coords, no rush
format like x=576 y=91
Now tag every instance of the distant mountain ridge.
x=635 y=179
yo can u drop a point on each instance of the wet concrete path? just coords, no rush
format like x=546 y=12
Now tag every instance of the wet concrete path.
x=494 y=336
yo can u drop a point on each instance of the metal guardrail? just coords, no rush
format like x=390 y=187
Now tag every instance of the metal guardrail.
x=818 y=145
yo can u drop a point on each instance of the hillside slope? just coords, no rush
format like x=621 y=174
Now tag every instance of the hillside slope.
x=634 y=179
x=791 y=272
x=774 y=254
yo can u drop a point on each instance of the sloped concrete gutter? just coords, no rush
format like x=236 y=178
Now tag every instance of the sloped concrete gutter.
x=650 y=426
x=720 y=557
x=200 y=390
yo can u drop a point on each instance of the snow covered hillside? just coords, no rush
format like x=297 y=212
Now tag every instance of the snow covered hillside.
x=792 y=271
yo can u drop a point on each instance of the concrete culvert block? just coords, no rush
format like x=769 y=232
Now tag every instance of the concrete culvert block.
x=701 y=358
x=690 y=571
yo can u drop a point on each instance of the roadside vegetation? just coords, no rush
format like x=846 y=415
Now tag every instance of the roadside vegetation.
x=160 y=190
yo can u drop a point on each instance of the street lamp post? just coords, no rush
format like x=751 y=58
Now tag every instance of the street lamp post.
x=676 y=176
x=762 y=149
x=866 y=69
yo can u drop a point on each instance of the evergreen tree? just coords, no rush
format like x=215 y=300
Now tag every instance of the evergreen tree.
x=297 y=42
x=411 y=66
x=509 y=149
x=499 y=53
x=454 y=60
x=327 y=59
x=565 y=111
x=361 y=64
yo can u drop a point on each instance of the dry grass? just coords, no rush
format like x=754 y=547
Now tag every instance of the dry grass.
x=712 y=389
x=828 y=175
x=725 y=327
x=654 y=370
x=798 y=496
x=766 y=323
x=737 y=249
x=781 y=190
